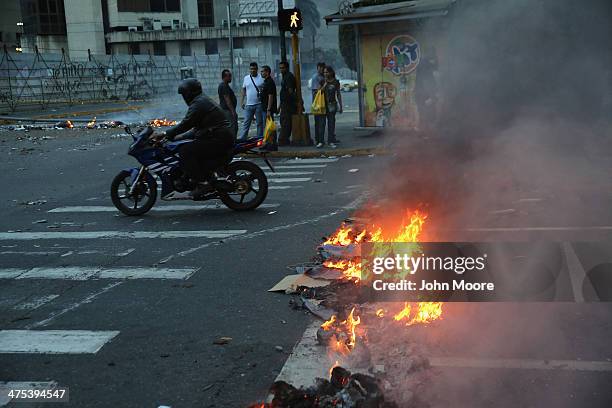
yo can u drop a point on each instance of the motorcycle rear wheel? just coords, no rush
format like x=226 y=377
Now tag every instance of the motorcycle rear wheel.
x=138 y=203
x=250 y=183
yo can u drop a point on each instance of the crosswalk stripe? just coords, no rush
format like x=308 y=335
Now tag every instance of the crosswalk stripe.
x=302 y=166
x=21 y=236
x=311 y=161
x=289 y=180
x=288 y=173
x=54 y=341
x=95 y=272
x=282 y=187
x=161 y=208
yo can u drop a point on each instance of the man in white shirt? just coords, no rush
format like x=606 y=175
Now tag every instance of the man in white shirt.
x=251 y=90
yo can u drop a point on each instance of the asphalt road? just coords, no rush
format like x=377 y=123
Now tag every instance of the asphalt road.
x=160 y=332
x=148 y=340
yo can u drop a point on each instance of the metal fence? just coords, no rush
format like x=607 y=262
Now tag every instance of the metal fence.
x=37 y=79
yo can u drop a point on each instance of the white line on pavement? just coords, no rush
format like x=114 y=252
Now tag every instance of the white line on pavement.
x=36 y=302
x=302 y=166
x=519 y=229
x=29 y=253
x=170 y=207
x=282 y=187
x=73 y=306
x=288 y=173
x=310 y=161
x=289 y=180
x=580 y=284
x=117 y=234
x=87 y=272
x=54 y=341
x=519 y=363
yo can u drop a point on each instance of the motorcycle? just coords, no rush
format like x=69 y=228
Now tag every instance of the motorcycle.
x=241 y=185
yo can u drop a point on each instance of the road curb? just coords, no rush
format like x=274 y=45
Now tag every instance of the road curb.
x=304 y=154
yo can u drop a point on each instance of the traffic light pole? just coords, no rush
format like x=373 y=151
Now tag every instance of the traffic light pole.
x=283 y=45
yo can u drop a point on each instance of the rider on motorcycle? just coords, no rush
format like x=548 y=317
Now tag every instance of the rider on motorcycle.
x=207 y=124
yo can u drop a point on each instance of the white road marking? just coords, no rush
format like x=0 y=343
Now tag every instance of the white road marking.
x=282 y=187
x=54 y=341
x=36 y=302
x=170 y=207
x=22 y=385
x=302 y=166
x=519 y=363
x=310 y=161
x=289 y=180
x=520 y=229
x=86 y=273
x=73 y=306
x=578 y=278
x=20 y=236
x=30 y=253
x=288 y=173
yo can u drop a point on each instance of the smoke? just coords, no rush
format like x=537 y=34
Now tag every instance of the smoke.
x=525 y=89
x=522 y=140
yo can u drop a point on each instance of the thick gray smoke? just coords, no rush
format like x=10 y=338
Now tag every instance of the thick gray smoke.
x=526 y=90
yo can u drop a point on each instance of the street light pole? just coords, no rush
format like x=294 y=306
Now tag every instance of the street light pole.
x=283 y=46
x=229 y=35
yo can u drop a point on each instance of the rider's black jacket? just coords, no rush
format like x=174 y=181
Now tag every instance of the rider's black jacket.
x=204 y=120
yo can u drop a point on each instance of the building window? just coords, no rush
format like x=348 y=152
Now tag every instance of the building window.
x=43 y=17
x=140 y=6
x=211 y=47
x=238 y=43
x=159 y=48
x=206 y=15
x=185 y=48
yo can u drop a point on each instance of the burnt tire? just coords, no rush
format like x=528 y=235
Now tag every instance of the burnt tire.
x=135 y=204
x=248 y=180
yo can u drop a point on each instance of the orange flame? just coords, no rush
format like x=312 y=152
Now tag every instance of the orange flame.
x=350 y=269
x=91 y=124
x=380 y=313
x=426 y=312
x=348 y=327
x=162 y=122
x=69 y=124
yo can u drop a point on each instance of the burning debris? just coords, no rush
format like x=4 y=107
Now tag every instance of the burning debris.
x=161 y=122
x=357 y=334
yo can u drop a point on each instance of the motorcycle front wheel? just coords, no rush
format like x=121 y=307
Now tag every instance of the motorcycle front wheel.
x=250 y=186
x=142 y=197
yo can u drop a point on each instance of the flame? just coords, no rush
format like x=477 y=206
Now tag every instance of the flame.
x=347 y=327
x=336 y=364
x=350 y=269
x=162 y=122
x=380 y=313
x=69 y=124
x=91 y=124
x=328 y=324
x=408 y=232
x=426 y=312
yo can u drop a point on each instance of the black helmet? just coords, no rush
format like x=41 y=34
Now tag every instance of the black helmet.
x=189 y=88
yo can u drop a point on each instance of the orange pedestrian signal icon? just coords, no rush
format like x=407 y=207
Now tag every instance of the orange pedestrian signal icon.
x=290 y=20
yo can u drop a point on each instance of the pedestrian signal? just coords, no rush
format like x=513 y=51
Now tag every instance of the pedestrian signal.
x=290 y=20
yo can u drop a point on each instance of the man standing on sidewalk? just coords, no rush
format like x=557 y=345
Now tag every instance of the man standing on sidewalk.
x=268 y=100
x=315 y=84
x=227 y=99
x=251 y=102
x=288 y=102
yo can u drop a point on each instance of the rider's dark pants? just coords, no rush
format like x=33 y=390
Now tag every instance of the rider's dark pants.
x=201 y=157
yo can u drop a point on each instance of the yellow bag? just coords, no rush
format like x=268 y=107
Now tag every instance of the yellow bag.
x=270 y=132
x=318 y=104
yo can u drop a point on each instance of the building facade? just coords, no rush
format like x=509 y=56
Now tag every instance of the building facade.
x=156 y=27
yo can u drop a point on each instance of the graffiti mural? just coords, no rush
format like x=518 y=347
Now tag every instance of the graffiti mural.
x=389 y=73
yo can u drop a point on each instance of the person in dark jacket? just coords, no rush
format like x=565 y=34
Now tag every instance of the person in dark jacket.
x=288 y=102
x=227 y=99
x=209 y=126
x=268 y=101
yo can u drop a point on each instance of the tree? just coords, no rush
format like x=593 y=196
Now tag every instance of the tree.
x=347 y=43
x=311 y=18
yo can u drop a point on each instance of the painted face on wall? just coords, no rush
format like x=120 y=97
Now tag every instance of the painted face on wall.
x=384 y=95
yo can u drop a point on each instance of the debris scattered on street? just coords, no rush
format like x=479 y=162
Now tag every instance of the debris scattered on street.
x=222 y=340
x=353 y=170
